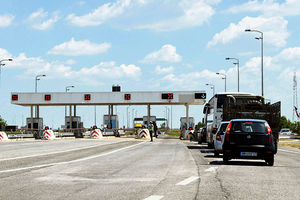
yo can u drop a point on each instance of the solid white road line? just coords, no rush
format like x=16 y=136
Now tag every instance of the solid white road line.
x=72 y=161
x=289 y=151
x=188 y=180
x=154 y=197
x=56 y=152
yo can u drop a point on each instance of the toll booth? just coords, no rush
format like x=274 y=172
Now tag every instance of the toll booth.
x=114 y=121
x=183 y=124
x=76 y=122
x=186 y=128
x=145 y=120
x=37 y=123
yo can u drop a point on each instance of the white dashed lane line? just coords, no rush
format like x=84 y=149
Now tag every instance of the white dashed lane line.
x=154 y=197
x=211 y=169
x=188 y=180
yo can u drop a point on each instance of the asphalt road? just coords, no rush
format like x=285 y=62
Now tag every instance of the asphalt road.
x=120 y=168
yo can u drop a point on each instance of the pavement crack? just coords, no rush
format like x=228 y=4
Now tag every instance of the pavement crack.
x=223 y=189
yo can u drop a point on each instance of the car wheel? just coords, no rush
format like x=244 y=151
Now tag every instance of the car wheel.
x=225 y=158
x=270 y=160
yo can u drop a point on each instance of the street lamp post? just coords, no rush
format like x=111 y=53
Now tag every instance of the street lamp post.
x=212 y=87
x=238 y=69
x=2 y=64
x=67 y=89
x=37 y=78
x=261 y=38
x=223 y=78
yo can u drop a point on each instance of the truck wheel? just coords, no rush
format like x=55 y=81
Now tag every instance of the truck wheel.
x=270 y=160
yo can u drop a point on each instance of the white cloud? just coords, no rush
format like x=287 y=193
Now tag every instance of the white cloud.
x=195 y=13
x=94 y=75
x=100 y=15
x=289 y=54
x=163 y=70
x=274 y=29
x=166 y=53
x=6 y=20
x=4 y=54
x=38 y=19
x=269 y=7
x=81 y=3
x=77 y=48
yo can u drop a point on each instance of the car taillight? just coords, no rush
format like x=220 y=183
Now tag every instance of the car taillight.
x=190 y=128
x=268 y=128
x=218 y=137
x=269 y=132
x=227 y=131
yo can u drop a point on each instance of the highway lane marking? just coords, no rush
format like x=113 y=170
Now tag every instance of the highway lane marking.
x=154 y=197
x=188 y=180
x=72 y=161
x=211 y=169
x=45 y=154
x=289 y=151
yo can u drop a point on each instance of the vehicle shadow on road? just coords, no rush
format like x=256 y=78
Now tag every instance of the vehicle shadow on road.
x=196 y=147
x=240 y=163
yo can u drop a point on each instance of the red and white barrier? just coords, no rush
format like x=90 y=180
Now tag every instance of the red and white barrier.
x=143 y=133
x=3 y=136
x=48 y=135
x=97 y=133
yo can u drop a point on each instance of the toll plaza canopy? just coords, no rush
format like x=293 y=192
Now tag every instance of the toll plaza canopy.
x=109 y=98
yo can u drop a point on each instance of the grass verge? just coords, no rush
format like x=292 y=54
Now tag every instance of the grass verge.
x=174 y=132
x=294 y=145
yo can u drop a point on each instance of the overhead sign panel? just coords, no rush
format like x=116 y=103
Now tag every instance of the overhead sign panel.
x=106 y=98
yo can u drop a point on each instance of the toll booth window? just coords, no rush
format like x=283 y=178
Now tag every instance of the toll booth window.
x=87 y=97
x=127 y=96
x=167 y=95
x=14 y=97
x=47 y=97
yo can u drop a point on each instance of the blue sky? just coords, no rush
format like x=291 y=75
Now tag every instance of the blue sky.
x=145 y=45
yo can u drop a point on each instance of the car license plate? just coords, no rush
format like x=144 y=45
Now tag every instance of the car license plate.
x=252 y=154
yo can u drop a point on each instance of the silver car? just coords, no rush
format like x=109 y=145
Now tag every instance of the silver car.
x=218 y=138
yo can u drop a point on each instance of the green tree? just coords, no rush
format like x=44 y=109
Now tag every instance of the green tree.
x=2 y=123
x=286 y=123
x=200 y=124
x=163 y=125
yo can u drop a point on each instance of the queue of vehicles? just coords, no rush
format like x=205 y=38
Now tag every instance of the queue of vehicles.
x=241 y=125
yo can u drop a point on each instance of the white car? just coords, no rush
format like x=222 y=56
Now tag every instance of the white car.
x=218 y=138
x=286 y=133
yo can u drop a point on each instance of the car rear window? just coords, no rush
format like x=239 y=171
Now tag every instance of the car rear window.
x=285 y=130
x=248 y=127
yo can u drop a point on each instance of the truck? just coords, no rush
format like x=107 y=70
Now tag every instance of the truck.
x=228 y=106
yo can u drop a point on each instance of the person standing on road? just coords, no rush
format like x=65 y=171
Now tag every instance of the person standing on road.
x=151 y=129
x=155 y=129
